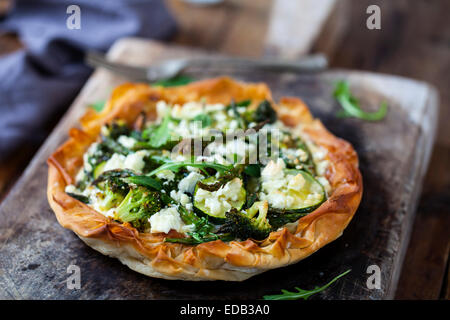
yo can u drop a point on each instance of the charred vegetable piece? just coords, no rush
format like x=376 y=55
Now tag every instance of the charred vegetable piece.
x=117 y=173
x=265 y=112
x=246 y=224
x=114 y=191
x=139 y=205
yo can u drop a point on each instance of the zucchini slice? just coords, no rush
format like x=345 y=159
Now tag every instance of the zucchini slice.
x=99 y=169
x=216 y=203
x=302 y=193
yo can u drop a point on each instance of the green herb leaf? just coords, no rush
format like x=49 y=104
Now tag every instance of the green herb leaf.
x=79 y=197
x=253 y=170
x=161 y=135
x=173 y=82
x=145 y=181
x=302 y=294
x=351 y=105
x=175 y=166
x=203 y=228
x=204 y=118
x=98 y=106
x=195 y=238
x=242 y=103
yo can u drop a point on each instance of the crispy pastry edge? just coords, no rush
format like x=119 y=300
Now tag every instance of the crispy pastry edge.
x=233 y=261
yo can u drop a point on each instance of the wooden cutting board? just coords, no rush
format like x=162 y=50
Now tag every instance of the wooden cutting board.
x=35 y=251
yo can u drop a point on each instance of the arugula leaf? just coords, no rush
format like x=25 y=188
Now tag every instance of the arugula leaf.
x=175 y=166
x=98 y=106
x=240 y=118
x=300 y=293
x=204 y=118
x=351 y=106
x=203 y=228
x=242 y=103
x=161 y=135
x=196 y=238
x=173 y=82
x=145 y=181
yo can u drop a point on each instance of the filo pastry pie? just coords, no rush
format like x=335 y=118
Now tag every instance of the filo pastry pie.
x=212 y=180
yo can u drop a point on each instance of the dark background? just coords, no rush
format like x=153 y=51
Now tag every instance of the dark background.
x=414 y=42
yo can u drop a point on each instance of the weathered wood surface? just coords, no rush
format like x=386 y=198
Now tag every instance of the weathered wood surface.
x=35 y=251
x=413 y=42
x=295 y=25
x=234 y=27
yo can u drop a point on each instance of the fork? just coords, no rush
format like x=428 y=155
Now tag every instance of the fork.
x=170 y=68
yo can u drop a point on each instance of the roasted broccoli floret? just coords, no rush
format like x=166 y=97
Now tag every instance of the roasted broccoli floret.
x=138 y=205
x=245 y=225
x=279 y=218
x=114 y=191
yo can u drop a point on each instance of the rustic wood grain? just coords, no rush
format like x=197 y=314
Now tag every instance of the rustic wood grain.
x=295 y=25
x=414 y=42
x=429 y=279
x=233 y=27
x=35 y=251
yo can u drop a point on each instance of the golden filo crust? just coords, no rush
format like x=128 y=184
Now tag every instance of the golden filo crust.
x=236 y=260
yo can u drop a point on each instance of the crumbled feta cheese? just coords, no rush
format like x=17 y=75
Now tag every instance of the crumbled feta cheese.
x=276 y=186
x=166 y=220
x=81 y=175
x=161 y=108
x=94 y=195
x=233 y=125
x=224 y=153
x=321 y=167
x=241 y=109
x=295 y=154
x=180 y=197
x=220 y=201
x=325 y=183
x=133 y=161
x=187 y=129
x=115 y=162
x=296 y=183
x=273 y=170
x=104 y=130
x=71 y=189
x=220 y=117
x=187 y=111
x=127 y=142
x=214 y=107
x=188 y=183
x=87 y=166
x=166 y=175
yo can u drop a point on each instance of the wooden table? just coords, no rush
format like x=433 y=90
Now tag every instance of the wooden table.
x=413 y=42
